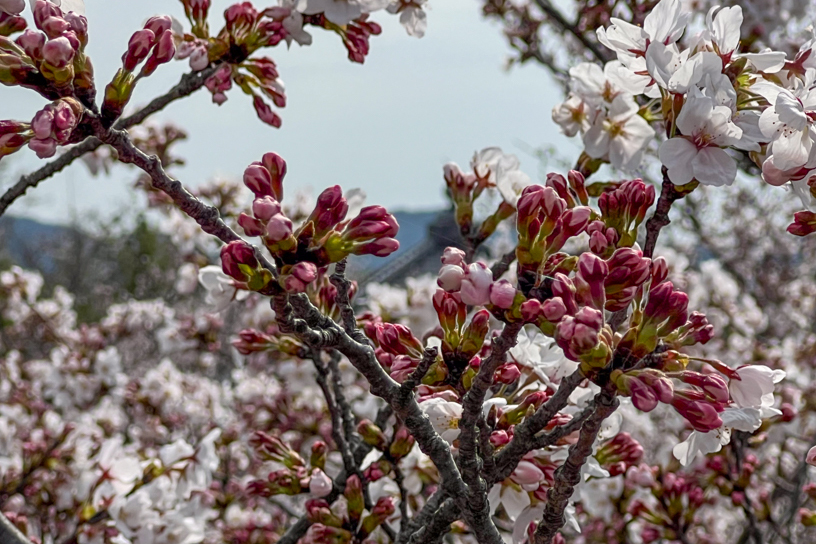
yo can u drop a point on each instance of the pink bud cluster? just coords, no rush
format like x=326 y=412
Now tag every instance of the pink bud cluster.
x=239 y=262
x=372 y=232
x=154 y=43
x=356 y=36
x=53 y=126
x=50 y=62
x=196 y=12
x=700 y=404
x=624 y=209
x=473 y=282
x=572 y=189
x=620 y=453
x=628 y=270
x=398 y=349
x=325 y=237
x=545 y=223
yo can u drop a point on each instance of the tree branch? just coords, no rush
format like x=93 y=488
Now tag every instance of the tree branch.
x=558 y=18
x=9 y=534
x=668 y=195
x=523 y=437
x=568 y=475
x=469 y=460
x=189 y=84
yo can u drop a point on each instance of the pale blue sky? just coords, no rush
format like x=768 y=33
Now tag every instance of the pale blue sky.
x=387 y=126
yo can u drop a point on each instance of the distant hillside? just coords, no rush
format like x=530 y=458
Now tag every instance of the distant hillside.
x=31 y=244
x=69 y=257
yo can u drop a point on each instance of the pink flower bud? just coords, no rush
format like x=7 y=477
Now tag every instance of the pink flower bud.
x=44 y=148
x=251 y=226
x=64 y=117
x=12 y=7
x=43 y=123
x=591 y=317
x=276 y=167
x=58 y=52
x=507 y=373
x=553 y=309
x=372 y=221
x=237 y=253
x=200 y=59
x=502 y=294
x=265 y=113
x=138 y=48
x=32 y=42
x=381 y=247
x=159 y=24
x=643 y=397
x=598 y=243
x=258 y=179
x=163 y=53
x=54 y=27
x=320 y=485
x=304 y=271
x=701 y=415
x=475 y=288
x=660 y=270
x=450 y=277
x=810 y=459
x=453 y=256
x=576 y=219
x=527 y=475
x=265 y=208
x=279 y=227
x=530 y=310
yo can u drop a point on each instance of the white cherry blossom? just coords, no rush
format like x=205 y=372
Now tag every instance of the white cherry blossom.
x=574 y=115
x=412 y=16
x=698 y=154
x=444 y=416
x=754 y=388
x=622 y=134
x=724 y=29
x=742 y=419
x=678 y=71
x=788 y=122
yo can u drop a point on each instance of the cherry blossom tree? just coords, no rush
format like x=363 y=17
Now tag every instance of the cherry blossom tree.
x=558 y=381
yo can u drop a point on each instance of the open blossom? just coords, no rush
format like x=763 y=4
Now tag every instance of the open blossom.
x=220 y=287
x=723 y=30
x=622 y=134
x=574 y=115
x=444 y=416
x=742 y=419
x=678 y=71
x=664 y=24
x=754 y=388
x=789 y=121
x=341 y=12
x=698 y=154
x=412 y=17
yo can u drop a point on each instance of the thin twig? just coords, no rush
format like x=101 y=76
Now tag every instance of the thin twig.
x=558 y=18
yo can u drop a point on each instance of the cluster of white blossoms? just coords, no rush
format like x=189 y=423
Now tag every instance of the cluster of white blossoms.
x=342 y=12
x=713 y=100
